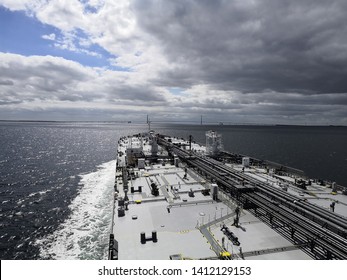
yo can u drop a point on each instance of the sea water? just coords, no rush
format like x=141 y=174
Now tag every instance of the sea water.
x=56 y=178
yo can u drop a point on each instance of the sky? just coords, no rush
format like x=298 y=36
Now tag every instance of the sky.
x=231 y=61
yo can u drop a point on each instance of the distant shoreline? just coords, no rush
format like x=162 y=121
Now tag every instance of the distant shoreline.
x=176 y=122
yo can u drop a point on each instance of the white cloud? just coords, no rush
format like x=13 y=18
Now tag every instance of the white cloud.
x=50 y=37
x=16 y=5
x=63 y=14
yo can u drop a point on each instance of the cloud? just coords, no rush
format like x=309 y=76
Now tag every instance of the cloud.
x=111 y=25
x=46 y=82
x=73 y=42
x=50 y=37
x=16 y=5
x=6 y=82
x=243 y=60
x=251 y=46
x=40 y=77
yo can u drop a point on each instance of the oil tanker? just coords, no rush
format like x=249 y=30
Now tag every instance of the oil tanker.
x=177 y=199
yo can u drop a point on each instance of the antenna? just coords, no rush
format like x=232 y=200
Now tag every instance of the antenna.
x=149 y=123
x=201 y=120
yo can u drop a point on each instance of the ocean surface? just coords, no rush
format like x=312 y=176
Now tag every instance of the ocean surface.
x=56 y=179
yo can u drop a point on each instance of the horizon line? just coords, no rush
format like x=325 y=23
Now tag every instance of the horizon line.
x=218 y=123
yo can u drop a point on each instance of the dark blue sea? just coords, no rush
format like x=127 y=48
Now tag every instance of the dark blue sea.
x=56 y=178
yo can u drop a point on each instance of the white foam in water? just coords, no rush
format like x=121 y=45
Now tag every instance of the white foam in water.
x=85 y=234
x=40 y=193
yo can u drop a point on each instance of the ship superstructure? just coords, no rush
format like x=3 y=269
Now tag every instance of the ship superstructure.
x=176 y=199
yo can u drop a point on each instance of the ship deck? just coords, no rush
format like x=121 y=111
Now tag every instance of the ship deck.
x=190 y=226
x=188 y=222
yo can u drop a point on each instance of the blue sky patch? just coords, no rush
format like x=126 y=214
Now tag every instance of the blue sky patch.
x=176 y=91
x=22 y=34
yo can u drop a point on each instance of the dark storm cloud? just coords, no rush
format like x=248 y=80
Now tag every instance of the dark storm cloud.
x=133 y=93
x=6 y=83
x=292 y=98
x=251 y=46
x=9 y=102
